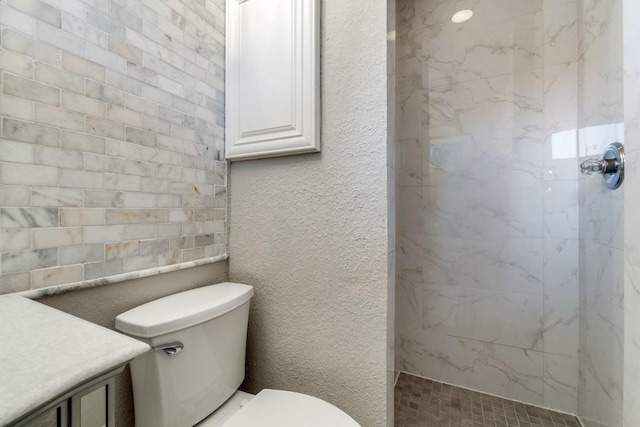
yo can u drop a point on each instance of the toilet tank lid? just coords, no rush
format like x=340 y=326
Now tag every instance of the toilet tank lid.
x=182 y=310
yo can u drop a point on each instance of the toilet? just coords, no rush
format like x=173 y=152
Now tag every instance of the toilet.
x=192 y=373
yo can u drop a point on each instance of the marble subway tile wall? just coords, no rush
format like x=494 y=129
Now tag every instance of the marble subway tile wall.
x=487 y=292
x=601 y=120
x=112 y=126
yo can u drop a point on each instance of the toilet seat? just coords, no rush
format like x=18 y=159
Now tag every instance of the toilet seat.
x=277 y=408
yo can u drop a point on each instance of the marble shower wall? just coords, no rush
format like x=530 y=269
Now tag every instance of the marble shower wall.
x=601 y=259
x=112 y=137
x=487 y=294
x=391 y=202
x=631 y=35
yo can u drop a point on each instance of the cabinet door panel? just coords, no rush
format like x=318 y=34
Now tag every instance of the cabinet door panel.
x=273 y=85
x=93 y=408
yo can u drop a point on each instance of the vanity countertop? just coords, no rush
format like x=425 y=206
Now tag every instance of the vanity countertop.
x=45 y=352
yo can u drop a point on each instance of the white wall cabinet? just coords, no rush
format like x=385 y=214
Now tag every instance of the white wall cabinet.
x=273 y=78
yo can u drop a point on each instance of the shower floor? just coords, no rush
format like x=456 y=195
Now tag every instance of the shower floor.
x=420 y=402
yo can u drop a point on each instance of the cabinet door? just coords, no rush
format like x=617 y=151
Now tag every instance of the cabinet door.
x=272 y=74
x=93 y=407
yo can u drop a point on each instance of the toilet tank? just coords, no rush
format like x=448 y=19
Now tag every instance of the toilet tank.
x=197 y=361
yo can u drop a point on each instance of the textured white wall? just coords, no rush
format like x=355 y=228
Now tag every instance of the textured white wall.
x=309 y=232
x=391 y=202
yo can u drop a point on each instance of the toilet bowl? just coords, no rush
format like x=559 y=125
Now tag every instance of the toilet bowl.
x=192 y=374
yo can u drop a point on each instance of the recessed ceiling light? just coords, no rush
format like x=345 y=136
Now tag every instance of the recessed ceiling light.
x=462 y=16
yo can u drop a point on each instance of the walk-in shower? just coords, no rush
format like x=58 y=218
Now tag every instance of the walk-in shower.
x=510 y=261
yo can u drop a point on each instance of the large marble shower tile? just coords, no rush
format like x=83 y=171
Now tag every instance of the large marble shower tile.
x=601 y=213
x=461 y=161
x=508 y=265
x=496 y=109
x=561 y=382
x=604 y=282
x=409 y=75
x=473 y=50
x=632 y=285
x=436 y=14
x=492 y=212
x=560 y=97
x=515 y=320
x=560 y=121
x=484 y=131
x=561 y=297
x=411 y=214
x=409 y=352
x=492 y=368
x=410 y=114
x=561 y=153
x=632 y=344
x=546 y=4
x=561 y=213
x=602 y=336
x=596 y=406
x=409 y=300
x=602 y=100
x=560 y=34
x=594 y=138
x=409 y=164
x=601 y=22
x=411 y=255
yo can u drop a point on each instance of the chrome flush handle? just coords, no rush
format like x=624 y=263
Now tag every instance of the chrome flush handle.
x=611 y=167
x=170 y=348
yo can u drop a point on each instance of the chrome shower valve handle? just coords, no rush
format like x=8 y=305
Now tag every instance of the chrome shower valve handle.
x=611 y=167
x=595 y=166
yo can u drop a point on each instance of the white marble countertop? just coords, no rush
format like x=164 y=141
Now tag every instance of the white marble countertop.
x=45 y=352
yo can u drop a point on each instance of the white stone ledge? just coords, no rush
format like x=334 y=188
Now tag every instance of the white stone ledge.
x=86 y=284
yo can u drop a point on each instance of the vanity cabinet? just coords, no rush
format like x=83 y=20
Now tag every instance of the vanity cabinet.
x=88 y=405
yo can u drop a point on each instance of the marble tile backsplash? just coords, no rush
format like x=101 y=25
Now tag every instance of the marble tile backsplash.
x=487 y=293
x=112 y=127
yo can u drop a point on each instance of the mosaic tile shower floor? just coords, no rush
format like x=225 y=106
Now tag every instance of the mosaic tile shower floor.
x=420 y=402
